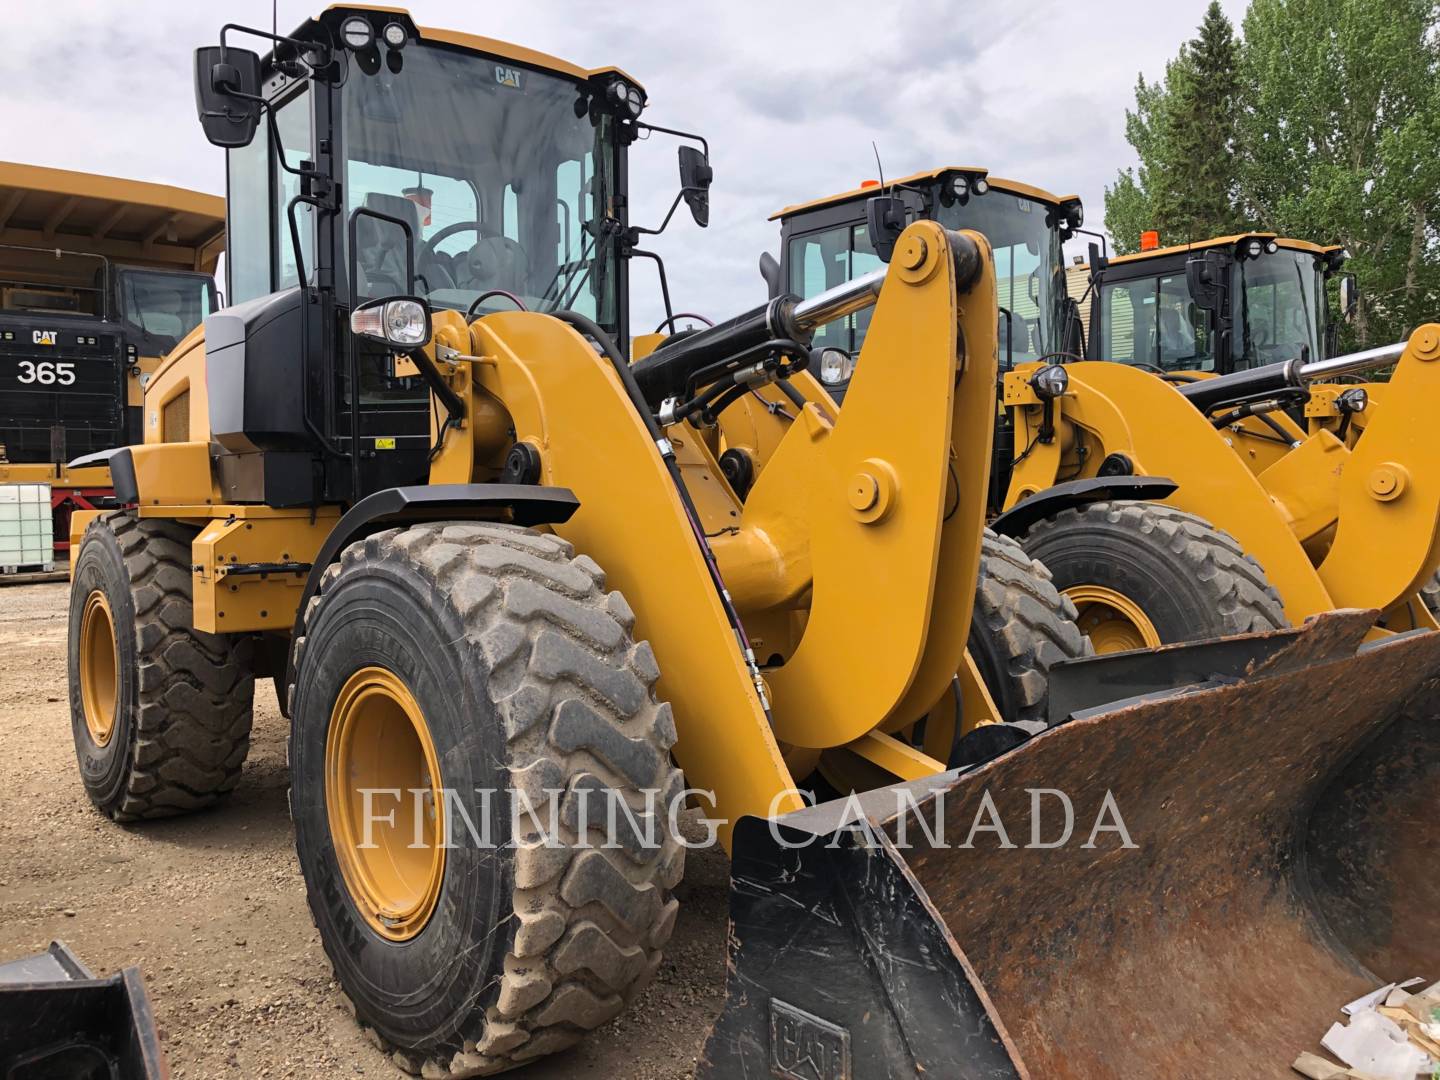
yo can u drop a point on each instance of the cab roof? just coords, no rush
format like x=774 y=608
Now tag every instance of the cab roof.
x=131 y=221
x=1227 y=241
x=1015 y=187
x=492 y=46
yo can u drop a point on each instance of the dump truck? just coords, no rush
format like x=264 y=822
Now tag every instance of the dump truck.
x=468 y=540
x=99 y=278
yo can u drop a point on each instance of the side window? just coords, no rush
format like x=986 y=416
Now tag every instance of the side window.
x=1121 y=323
x=823 y=260
x=247 y=202
x=571 y=278
x=510 y=215
x=1183 y=332
x=293 y=121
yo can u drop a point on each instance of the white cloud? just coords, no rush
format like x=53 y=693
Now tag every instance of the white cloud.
x=789 y=95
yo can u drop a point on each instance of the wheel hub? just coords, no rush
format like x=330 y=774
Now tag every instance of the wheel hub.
x=1113 y=622
x=99 y=668
x=390 y=848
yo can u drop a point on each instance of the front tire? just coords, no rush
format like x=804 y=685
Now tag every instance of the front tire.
x=1021 y=625
x=508 y=670
x=160 y=712
x=1142 y=574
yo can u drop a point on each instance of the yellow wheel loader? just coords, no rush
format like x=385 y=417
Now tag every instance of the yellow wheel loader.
x=1233 y=303
x=495 y=570
x=1159 y=522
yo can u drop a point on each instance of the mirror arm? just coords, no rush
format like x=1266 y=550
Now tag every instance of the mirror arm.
x=280 y=39
x=704 y=145
x=640 y=230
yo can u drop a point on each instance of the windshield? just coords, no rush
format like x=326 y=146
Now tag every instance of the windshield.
x=163 y=306
x=502 y=185
x=1029 y=269
x=1152 y=322
x=1278 y=305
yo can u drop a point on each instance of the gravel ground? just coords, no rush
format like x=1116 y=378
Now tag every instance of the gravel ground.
x=212 y=907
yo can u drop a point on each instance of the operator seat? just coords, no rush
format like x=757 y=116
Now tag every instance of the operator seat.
x=496 y=262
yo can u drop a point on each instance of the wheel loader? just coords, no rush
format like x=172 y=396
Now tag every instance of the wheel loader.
x=1160 y=522
x=470 y=543
x=1232 y=303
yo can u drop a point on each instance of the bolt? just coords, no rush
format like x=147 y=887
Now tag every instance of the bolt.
x=912 y=253
x=863 y=491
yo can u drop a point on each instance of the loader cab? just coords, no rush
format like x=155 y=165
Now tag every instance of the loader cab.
x=373 y=159
x=1231 y=304
x=827 y=242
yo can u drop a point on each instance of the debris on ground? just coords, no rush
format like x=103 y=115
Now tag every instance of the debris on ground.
x=1391 y=1034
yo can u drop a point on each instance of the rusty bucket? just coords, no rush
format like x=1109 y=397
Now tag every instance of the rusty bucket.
x=1244 y=854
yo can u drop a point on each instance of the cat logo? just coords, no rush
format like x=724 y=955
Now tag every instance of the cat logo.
x=44 y=337
x=507 y=76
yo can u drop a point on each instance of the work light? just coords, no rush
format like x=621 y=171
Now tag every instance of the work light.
x=1051 y=381
x=836 y=366
x=357 y=33
x=394 y=35
x=402 y=322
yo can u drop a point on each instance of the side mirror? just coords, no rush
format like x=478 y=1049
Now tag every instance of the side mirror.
x=885 y=221
x=695 y=177
x=227 y=94
x=401 y=322
x=1098 y=262
x=1202 y=277
x=1349 y=296
x=770 y=271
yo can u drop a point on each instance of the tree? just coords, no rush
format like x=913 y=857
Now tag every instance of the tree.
x=1183 y=131
x=1337 y=138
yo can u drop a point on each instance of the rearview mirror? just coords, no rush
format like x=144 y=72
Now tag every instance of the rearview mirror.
x=1349 y=297
x=227 y=94
x=695 y=177
x=885 y=221
x=770 y=271
x=1202 y=277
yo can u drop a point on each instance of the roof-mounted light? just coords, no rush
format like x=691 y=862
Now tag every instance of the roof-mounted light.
x=357 y=33
x=980 y=186
x=1254 y=248
x=395 y=35
x=628 y=99
x=1272 y=247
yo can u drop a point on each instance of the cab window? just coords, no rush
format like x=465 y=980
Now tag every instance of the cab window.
x=1153 y=322
x=823 y=260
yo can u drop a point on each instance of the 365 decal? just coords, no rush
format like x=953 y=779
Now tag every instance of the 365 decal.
x=47 y=372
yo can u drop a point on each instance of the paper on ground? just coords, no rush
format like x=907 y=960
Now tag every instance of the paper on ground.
x=1375 y=997
x=1375 y=1045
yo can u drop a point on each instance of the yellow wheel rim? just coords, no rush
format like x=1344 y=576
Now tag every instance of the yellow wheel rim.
x=99 y=668
x=391 y=850
x=1113 y=622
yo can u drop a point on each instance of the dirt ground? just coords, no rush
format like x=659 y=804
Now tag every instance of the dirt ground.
x=212 y=907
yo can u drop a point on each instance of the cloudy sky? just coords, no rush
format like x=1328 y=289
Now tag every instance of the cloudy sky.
x=790 y=96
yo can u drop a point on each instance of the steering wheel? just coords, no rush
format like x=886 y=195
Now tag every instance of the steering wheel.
x=428 y=247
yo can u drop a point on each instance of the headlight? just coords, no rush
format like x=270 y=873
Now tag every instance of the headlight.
x=1353 y=400
x=959 y=187
x=1075 y=213
x=981 y=185
x=1050 y=381
x=402 y=322
x=394 y=35
x=1272 y=247
x=357 y=32
x=836 y=366
x=1253 y=248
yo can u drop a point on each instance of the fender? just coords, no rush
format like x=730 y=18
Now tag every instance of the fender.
x=528 y=505
x=1016 y=521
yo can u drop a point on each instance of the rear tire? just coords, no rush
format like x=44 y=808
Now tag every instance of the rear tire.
x=160 y=711
x=1021 y=625
x=1143 y=574
x=525 y=679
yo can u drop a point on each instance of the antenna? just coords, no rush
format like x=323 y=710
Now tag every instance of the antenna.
x=878 y=166
x=275 y=17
